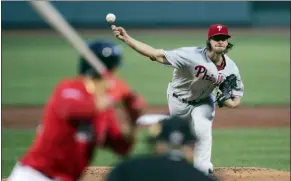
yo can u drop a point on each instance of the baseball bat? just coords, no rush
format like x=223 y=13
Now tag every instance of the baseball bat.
x=54 y=18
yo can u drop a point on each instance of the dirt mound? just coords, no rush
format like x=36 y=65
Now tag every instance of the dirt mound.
x=95 y=173
x=224 y=173
x=251 y=174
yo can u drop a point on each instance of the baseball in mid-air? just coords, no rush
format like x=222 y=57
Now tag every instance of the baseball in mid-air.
x=110 y=18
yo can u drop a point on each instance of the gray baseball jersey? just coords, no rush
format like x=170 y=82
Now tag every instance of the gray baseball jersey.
x=195 y=76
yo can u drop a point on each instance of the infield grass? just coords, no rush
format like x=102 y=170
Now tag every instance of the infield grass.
x=269 y=148
x=32 y=64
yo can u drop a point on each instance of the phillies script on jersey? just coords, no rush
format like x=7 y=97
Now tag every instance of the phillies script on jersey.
x=71 y=129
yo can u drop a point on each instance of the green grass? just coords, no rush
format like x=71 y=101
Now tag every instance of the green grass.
x=269 y=148
x=31 y=65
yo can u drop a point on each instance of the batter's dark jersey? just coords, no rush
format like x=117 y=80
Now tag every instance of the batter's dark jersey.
x=156 y=168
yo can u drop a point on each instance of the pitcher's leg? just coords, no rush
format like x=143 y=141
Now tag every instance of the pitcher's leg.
x=202 y=121
x=202 y=152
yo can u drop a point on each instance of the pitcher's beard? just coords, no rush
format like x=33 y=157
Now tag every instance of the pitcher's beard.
x=219 y=50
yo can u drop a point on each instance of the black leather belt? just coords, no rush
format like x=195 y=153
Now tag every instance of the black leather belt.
x=188 y=102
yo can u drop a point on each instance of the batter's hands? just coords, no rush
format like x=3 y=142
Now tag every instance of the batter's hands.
x=119 y=32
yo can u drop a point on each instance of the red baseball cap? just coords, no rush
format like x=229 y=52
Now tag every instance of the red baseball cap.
x=217 y=29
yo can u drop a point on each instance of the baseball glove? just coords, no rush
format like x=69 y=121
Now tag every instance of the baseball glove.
x=225 y=87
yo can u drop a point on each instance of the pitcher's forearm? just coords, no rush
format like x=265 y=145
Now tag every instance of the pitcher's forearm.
x=142 y=48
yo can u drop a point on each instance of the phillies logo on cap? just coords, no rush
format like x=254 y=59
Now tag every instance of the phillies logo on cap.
x=218 y=29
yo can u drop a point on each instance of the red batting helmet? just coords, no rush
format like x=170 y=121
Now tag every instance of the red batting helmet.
x=217 y=29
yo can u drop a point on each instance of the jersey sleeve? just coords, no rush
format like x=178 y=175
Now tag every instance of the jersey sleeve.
x=177 y=57
x=72 y=103
x=239 y=90
x=115 y=139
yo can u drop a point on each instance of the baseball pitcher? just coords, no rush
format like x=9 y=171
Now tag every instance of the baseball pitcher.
x=202 y=78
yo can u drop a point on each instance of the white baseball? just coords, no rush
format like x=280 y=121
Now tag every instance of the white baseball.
x=110 y=18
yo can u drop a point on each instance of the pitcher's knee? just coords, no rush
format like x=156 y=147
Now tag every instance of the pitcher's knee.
x=202 y=126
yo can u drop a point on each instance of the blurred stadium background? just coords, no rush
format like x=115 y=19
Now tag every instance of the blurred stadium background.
x=35 y=57
x=39 y=57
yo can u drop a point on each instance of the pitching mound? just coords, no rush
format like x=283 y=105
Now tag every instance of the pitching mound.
x=224 y=173
x=95 y=173
x=251 y=174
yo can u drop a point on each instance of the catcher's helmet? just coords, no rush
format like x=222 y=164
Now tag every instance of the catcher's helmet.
x=109 y=54
x=175 y=131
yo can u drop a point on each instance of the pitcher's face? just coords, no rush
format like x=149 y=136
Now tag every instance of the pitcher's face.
x=219 y=43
